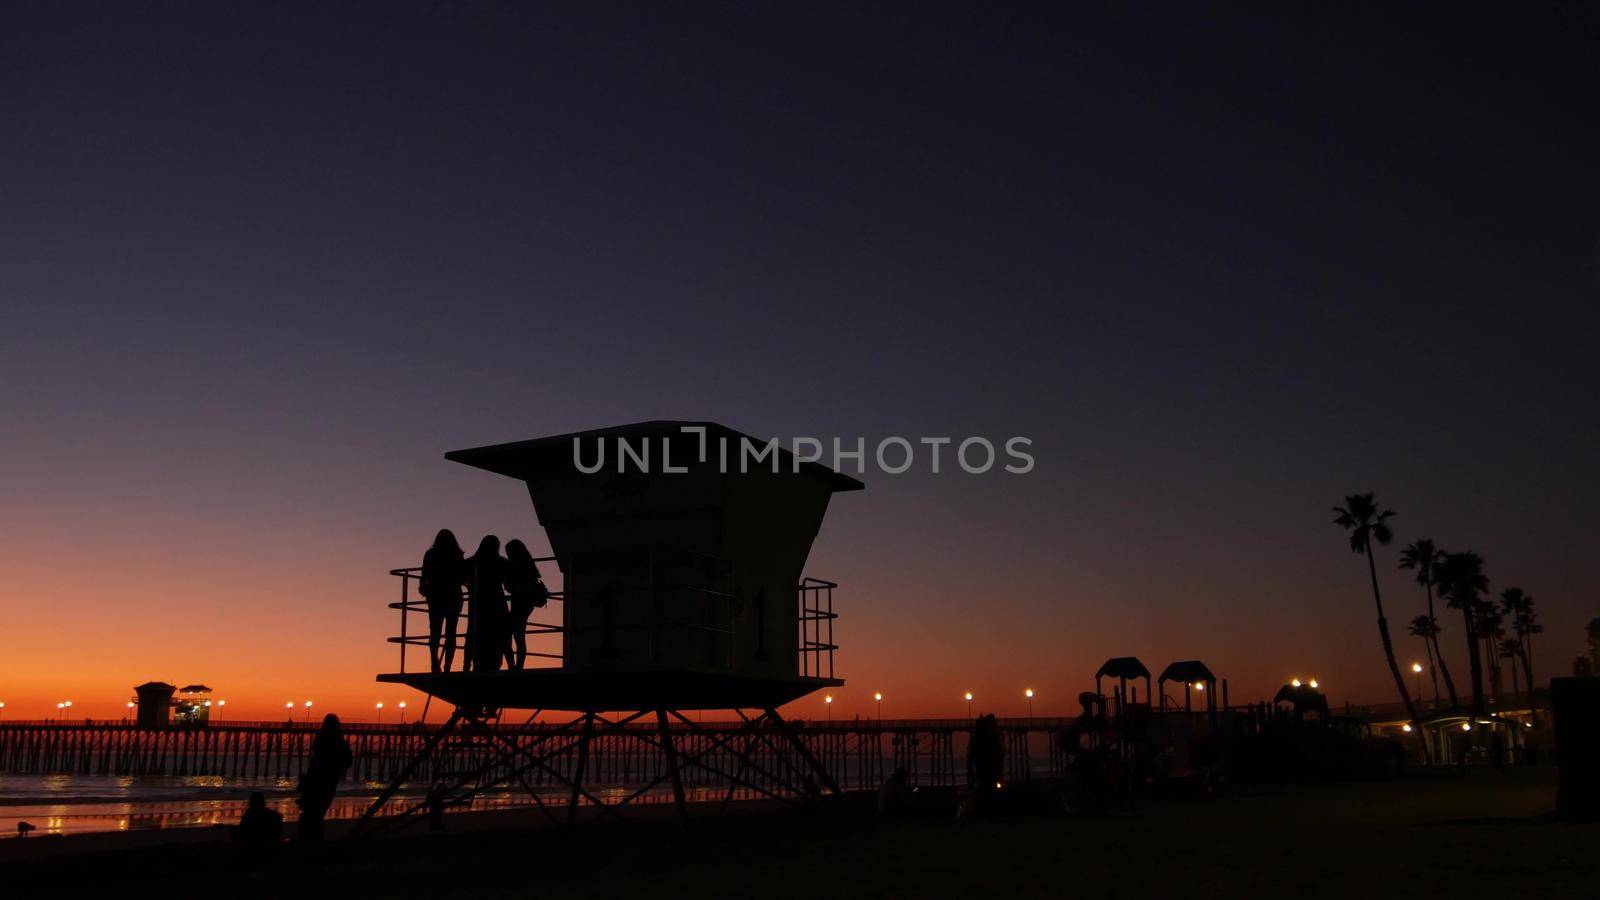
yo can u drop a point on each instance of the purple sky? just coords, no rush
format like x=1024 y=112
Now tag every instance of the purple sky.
x=261 y=266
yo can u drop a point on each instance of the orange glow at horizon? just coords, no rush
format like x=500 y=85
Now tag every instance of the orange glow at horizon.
x=284 y=605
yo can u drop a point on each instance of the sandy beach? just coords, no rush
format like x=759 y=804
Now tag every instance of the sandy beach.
x=1477 y=834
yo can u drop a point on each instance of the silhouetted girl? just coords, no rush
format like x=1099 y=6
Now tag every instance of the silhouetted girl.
x=528 y=593
x=440 y=585
x=486 y=608
x=330 y=757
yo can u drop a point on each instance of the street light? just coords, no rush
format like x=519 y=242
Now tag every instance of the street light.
x=969 y=704
x=220 y=705
x=380 y=712
x=1416 y=669
x=877 y=697
x=827 y=701
x=402 y=705
x=1029 y=694
x=1313 y=684
x=1294 y=682
x=1406 y=728
x=308 y=712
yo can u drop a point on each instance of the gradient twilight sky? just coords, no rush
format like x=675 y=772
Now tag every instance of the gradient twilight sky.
x=261 y=266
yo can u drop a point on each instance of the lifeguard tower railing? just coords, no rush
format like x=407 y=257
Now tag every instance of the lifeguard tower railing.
x=816 y=627
x=545 y=638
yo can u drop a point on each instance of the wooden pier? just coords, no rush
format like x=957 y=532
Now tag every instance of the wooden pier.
x=859 y=755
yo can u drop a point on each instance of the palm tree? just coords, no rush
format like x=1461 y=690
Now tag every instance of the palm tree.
x=1487 y=621
x=1461 y=580
x=1424 y=627
x=1511 y=649
x=1360 y=516
x=1524 y=624
x=1425 y=556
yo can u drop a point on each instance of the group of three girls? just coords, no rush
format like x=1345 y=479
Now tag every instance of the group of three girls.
x=501 y=593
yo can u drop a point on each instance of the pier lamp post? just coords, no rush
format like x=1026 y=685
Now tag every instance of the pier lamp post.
x=2 y=710
x=877 y=697
x=380 y=712
x=130 y=711
x=969 y=704
x=1029 y=694
x=308 y=712
x=1416 y=669
x=827 y=701
x=290 y=707
x=402 y=706
x=220 y=705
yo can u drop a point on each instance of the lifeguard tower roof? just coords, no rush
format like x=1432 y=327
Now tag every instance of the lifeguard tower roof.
x=554 y=455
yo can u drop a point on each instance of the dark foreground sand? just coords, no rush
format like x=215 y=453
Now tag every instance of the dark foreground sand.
x=1475 y=835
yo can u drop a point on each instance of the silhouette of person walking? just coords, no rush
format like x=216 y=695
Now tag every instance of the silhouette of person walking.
x=330 y=757
x=528 y=593
x=486 y=608
x=442 y=578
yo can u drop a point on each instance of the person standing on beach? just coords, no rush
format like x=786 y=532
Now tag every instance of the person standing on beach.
x=440 y=585
x=986 y=760
x=330 y=757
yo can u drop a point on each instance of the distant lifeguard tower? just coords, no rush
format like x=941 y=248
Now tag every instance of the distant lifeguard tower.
x=679 y=551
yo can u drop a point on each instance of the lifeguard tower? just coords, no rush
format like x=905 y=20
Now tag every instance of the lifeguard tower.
x=678 y=585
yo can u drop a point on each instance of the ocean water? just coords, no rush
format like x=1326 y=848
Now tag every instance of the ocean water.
x=77 y=804
x=80 y=804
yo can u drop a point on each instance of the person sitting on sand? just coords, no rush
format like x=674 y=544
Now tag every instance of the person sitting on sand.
x=896 y=797
x=528 y=593
x=330 y=757
x=259 y=826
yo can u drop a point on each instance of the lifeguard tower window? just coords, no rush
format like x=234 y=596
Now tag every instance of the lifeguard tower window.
x=698 y=568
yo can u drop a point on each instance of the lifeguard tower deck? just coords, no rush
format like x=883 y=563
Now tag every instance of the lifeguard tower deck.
x=677 y=584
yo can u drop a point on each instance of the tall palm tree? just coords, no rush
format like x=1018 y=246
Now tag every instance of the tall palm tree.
x=1511 y=649
x=1517 y=605
x=1424 y=627
x=1461 y=582
x=1488 y=623
x=1360 y=516
x=1425 y=557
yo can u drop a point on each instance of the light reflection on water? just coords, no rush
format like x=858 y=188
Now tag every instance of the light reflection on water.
x=79 y=804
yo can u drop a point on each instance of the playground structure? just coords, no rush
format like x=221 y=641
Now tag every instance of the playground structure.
x=679 y=586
